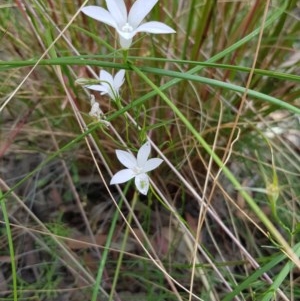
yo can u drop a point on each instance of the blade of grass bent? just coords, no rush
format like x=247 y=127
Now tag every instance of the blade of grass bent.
x=228 y=86
x=94 y=60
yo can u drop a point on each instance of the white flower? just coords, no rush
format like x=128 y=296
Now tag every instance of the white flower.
x=96 y=112
x=108 y=84
x=95 y=108
x=127 y=24
x=136 y=167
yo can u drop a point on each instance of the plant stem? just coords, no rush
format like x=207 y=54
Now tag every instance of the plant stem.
x=11 y=247
x=124 y=242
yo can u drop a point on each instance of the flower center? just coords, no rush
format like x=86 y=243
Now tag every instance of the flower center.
x=127 y=28
x=137 y=170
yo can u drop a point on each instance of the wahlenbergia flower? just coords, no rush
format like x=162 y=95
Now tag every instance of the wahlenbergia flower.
x=137 y=168
x=127 y=24
x=108 y=84
x=96 y=112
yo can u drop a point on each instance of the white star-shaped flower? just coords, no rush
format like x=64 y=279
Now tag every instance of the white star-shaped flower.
x=136 y=168
x=127 y=24
x=108 y=84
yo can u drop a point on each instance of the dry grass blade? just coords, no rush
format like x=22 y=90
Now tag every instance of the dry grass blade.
x=193 y=236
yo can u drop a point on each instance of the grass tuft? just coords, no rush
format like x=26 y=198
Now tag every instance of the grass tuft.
x=219 y=103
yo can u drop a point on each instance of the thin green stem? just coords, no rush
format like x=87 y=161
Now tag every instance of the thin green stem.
x=124 y=242
x=11 y=247
x=125 y=57
x=105 y=253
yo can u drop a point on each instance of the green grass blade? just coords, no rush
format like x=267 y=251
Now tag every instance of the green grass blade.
x=258 y=273
x=11 y=247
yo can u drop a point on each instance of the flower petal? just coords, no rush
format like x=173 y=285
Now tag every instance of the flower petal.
x=125 y=43
x=127 y=159
x=107 y=81
x=142 y=183
x=119 y=79
x=143 y=154
x=118 y=11
x=99 y=14
x=100 y=88
x=122 y=176
x=155 y=27
x=139 y=11
x=95 y=109
x=152 y=164
x=106 y=77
